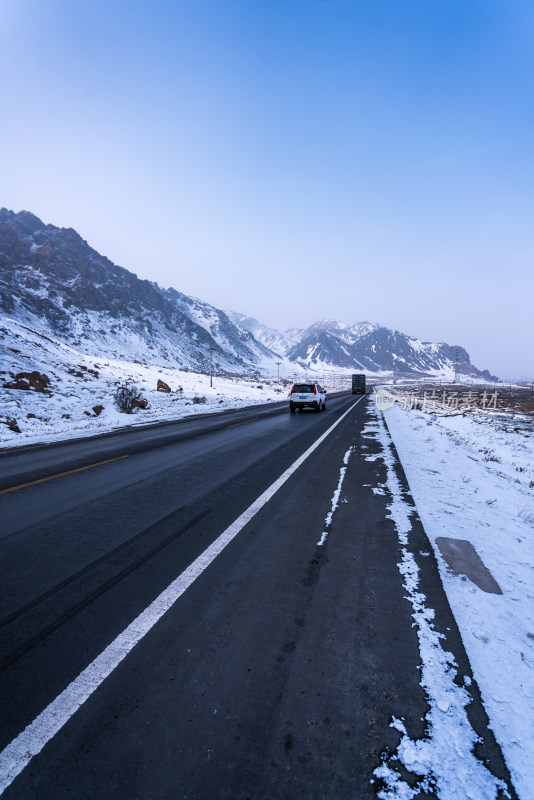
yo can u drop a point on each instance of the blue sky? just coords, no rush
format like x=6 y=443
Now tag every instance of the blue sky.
x=291 y=159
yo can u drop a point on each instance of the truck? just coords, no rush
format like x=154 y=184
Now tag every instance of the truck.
x=358 y=384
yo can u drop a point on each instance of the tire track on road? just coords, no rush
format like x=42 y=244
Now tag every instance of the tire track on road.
x=36 y=639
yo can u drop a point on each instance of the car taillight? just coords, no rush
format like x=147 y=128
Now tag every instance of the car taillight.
x=314 y=389
x=292 y=389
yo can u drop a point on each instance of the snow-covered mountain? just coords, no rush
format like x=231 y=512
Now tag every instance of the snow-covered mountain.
x=329 y=345
x=279 y=343
x=347 y=333
x=52 y=281
x=373 y=348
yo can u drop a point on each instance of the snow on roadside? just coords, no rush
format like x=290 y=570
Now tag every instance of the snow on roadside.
x=80 y=383
x=444 y=759
x=472 y=478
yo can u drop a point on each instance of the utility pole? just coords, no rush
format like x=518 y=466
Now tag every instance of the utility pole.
x=456 y=368
x=211 y=366
x=278 y=365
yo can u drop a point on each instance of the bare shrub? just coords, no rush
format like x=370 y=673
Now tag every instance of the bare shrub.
x=12 y=424
x=197 y=400
x=526 y=513
x=127 y=397
x=489 y=455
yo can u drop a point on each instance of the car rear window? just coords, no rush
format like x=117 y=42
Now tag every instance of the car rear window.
x=302 y=388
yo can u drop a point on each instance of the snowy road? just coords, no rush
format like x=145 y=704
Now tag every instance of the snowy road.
x=231 y=608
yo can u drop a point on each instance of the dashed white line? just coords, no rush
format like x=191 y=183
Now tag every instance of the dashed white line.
x=335 y=498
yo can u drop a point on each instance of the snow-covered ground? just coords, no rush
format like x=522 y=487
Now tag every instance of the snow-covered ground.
x=472 y=479
x=80 y=383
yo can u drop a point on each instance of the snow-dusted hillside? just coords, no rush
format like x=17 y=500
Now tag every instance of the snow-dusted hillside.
x=79 y=396
x=274 y=340
x=52 y=281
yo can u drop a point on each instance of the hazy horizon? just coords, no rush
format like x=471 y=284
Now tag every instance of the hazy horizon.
x=320 y=159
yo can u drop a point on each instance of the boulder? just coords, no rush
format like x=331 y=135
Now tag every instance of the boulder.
x=163 y=387
x=29 y=380
x=18 y=383
x=98 y=410
x=140 y=402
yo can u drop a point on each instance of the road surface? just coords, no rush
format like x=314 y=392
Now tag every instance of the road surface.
x=274 y=674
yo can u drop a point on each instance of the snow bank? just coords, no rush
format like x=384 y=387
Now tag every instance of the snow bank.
x=444 y=759
x=472 y=478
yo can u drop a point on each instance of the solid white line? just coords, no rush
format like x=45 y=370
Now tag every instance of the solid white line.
x=17 y=754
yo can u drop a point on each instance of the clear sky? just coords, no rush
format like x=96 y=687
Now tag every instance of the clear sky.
x=290 y=159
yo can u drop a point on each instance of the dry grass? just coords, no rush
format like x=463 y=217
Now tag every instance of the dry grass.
x=526 y=513
x=510 y=399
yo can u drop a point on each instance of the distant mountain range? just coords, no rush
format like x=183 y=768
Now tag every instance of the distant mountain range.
x=362 y=347
x=52 y=281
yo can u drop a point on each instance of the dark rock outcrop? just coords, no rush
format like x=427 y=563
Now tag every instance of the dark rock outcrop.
x=162 y=386
x=29 y=380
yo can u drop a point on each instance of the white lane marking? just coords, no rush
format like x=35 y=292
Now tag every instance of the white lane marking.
x=335 y=498
x=17 y=754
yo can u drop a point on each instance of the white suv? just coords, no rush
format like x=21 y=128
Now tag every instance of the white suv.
x=307 y=395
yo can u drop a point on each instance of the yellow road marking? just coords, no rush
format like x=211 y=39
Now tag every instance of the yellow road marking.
x=241 y=423
x=61 y=475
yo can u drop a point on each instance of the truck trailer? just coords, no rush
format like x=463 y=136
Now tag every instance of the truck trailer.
x=358 y=384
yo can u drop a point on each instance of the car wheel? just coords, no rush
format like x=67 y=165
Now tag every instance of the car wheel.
x=292 y=409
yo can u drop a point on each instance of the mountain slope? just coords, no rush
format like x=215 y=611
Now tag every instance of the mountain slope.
x=52 y=278
x=272 y=339
x=53 y=281
x=373 y=348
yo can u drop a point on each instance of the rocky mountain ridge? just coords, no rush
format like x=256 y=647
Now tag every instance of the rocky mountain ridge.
x=53 y=281
x=364 y=347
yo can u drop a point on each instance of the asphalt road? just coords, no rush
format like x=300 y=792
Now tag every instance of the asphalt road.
x=275 y=674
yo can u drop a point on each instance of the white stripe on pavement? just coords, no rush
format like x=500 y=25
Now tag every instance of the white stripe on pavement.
x=15 y=757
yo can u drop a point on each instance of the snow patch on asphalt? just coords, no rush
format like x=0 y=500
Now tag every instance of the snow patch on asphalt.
x=444 y=760
x=335 y=498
